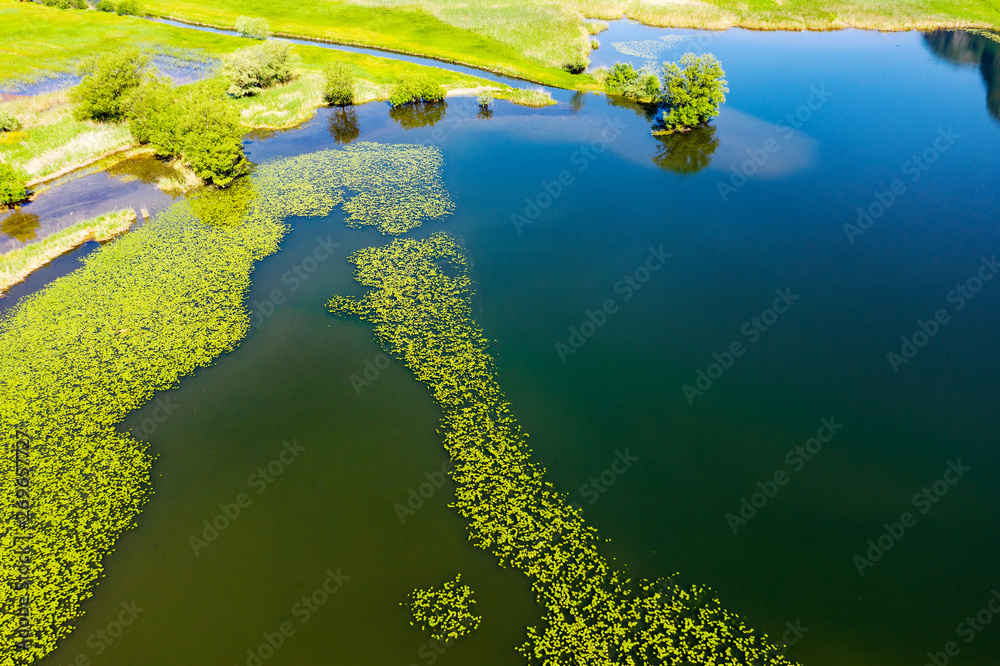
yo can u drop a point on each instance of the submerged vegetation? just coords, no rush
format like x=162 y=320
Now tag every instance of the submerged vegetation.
x=445 y=612
x=19 y=264
x=420 y=306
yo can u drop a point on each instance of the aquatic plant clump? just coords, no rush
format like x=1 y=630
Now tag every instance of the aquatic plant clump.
x=420 y=305
x=94 y=345
x=397 y=186
x=446 y=611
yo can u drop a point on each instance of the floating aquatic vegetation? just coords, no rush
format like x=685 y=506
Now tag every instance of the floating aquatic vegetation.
x=420 y=307
x=397 y=186
x=446 y=611
x=140 y=314
x=648 y=49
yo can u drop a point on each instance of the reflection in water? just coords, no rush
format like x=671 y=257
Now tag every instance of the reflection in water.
x=485 y=113
x=646 y=111
x=418 y=114
x=577 y=100
x=223 y=207
x=343 y=125
x=966 y=47
x=20 y=225
x=686 y=152
x=146 y=169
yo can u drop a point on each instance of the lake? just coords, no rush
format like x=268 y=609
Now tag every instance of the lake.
x=799 y=364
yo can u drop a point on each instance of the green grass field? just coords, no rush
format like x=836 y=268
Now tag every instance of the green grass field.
x=534 y=39
x=42 y=41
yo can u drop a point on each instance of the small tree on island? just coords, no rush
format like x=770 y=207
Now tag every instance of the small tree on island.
x=692 y=92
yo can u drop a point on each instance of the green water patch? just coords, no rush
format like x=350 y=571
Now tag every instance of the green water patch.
x=140 y=314
x=594 y=614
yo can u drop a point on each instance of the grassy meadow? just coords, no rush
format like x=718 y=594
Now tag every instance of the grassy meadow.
x=401 y=28
x=43 y=42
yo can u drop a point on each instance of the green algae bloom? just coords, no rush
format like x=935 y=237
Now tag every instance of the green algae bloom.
x=419 y=304
x=140 y=314
x=446 y=612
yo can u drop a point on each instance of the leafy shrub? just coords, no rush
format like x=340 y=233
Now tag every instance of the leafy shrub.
x=148 y=111
x=412 y=88
x=594 y=43
x=692 y=91
x=105 y=6
x=197 y=123
x=339 y=84
x=128 y=8
x=107 y=82
x=577 y=63
x=484 y=98
x=12 y=184
x=253 y=27
x=625 y=80
x=9 y=122
x=207 y=132
x=254 y=68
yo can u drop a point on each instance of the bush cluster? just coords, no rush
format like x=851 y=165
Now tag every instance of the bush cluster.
x=9 y=122
x=254 y=68
x=410 y=89
x=196 y=123
x=107 y=82
x=253 y=27
x=12 y=184
x=339 y=84
x=686 y=95
x=641 y=85
x=128 y=8
x=66 y=4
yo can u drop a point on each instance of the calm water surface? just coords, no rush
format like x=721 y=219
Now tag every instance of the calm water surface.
x=816 y=126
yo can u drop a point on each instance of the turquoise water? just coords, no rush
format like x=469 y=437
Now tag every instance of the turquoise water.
x=764 y=247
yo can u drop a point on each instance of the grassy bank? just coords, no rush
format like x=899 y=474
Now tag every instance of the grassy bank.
x=46 y=41
x=16 y=265
x=399 y=28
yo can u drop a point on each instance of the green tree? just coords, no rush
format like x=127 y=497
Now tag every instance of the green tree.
x=625 y=80
x=254 y=68
x=108 y=80
x=148 y=108
x=253 y=27
x=209 y=133
x=12 y=184
x=339 y=83
x=128 y=8
x=692 y=91
x=411 y=88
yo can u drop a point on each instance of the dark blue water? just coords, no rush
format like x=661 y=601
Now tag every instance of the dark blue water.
x=790 y=315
